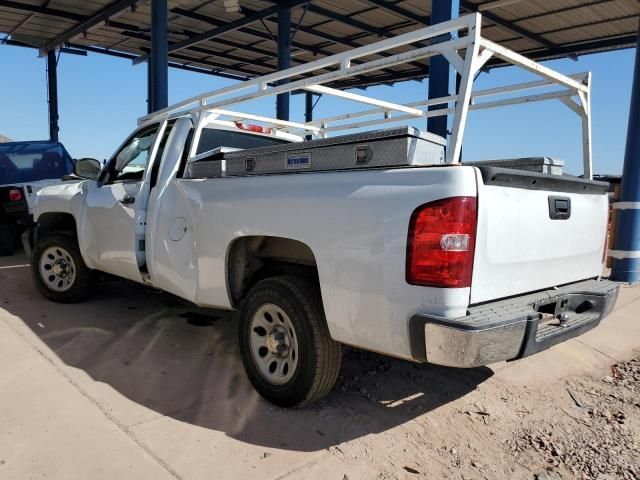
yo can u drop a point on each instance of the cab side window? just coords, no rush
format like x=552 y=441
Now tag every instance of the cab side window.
x=160 y=151
x=133 y=158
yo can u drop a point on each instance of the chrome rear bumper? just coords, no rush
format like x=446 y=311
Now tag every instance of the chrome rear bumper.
x=513 y=328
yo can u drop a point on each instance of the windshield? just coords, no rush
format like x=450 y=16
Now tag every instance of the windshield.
x=22 y=162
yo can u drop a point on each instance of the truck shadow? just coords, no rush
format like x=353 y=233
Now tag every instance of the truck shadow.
x=183 y=362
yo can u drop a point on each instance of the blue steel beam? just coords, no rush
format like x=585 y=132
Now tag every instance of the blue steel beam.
x=52 y=94
x=509 y=25
x=627 y=239
x=226 y=28
x=130 y=56
x=313 y=49
x=401 y=12
x=149 y=88
x=333 y=39
x=82 y=27
x=439 y=71
x=284 y=57
x=308 y=106
x=308 y=110
x=159 y=83
x=70 y=51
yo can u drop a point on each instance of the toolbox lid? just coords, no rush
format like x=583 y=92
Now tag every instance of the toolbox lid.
x=370 y=136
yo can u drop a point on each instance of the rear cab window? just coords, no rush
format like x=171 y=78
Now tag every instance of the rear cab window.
x=211 y=138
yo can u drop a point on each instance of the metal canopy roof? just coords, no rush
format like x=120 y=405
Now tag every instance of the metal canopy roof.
x=204 y=36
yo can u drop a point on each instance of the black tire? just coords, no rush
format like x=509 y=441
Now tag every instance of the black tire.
x=319 y=355
x=80 y=288
x=7 y=240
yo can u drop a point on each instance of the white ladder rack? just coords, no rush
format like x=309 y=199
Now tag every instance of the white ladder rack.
x=467 y=52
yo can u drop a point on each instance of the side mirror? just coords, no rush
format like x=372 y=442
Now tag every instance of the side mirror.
x=87 y=168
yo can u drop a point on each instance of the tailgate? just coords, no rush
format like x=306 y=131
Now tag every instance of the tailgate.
x=535 y=232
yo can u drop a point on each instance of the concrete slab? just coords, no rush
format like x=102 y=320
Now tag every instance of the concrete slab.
x=51 y=428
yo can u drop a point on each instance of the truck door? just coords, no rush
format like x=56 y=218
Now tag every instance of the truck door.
x=170 y=224
x=115 y=207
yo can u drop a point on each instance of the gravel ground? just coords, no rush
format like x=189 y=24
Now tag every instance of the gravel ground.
x=577 y=428
x=596 y=439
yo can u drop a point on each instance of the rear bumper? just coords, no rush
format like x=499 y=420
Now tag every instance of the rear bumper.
x=513 y=328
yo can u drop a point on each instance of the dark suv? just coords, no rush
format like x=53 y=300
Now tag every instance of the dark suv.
x=25 y=168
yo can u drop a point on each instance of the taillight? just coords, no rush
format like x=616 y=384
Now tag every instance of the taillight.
x=15 y=195
x=441 y=243
x=253 y=128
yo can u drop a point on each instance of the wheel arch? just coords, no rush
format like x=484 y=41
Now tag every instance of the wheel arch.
x=253 y=258
x=59 y=222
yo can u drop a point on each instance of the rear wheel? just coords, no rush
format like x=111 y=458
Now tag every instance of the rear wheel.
x=59 y=271
x=7 y=240
x=285 y=343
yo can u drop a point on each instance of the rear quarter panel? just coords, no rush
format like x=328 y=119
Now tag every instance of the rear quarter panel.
x=355 y=223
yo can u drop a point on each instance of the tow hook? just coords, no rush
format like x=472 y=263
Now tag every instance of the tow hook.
x=563 y=318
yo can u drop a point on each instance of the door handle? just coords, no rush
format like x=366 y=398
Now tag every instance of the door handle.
x=127 y=200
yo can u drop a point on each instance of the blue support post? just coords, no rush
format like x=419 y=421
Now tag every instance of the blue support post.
x=627 y=243
x=52 y=94
x=284 y=58
x=149 y=87
x=159 y=83
x=439 y=71
x=308 y=106
x=308 y=109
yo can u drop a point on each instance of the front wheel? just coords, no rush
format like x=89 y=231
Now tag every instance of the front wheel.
x=285 y=343
x=59 y=271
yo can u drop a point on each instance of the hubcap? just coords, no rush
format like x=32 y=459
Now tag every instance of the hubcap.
x=274 y=344
x=57 y=269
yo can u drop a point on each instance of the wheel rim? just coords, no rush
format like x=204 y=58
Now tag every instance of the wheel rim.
x=274 y=344
x=57 y=269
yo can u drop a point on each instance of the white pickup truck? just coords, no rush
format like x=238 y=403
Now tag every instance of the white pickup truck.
x=382 y=240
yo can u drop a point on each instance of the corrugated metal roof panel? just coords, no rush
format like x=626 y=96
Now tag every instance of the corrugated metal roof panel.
x=538 y=28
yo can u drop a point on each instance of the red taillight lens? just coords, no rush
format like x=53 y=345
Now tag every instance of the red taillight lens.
x=441 y=243
x=15 y=195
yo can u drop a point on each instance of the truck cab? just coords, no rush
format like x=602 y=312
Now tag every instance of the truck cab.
x=121 y=194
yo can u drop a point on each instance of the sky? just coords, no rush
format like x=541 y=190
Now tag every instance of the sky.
x=101 y=97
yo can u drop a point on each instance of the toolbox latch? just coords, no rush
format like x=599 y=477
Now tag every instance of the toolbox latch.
x=363 y=154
